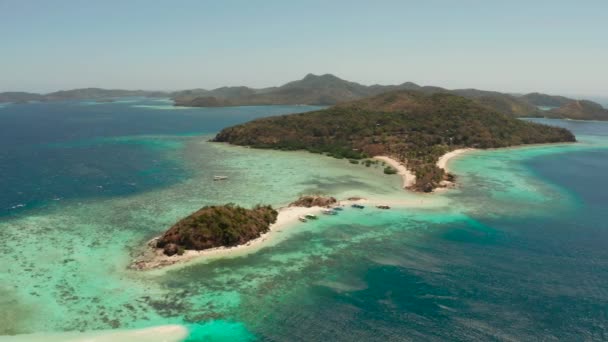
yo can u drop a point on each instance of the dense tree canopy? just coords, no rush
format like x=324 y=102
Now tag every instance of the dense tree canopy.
x=214 y=226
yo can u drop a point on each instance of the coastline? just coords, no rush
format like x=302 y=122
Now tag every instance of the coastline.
x=406 y=175
x=443 y=161
x=409 y=178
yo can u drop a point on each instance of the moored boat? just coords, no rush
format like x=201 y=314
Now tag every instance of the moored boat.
x=310 y=216
x=383 y=207
x=218 y=178
x=302 y=219
x=358 y=206
x=329 y=212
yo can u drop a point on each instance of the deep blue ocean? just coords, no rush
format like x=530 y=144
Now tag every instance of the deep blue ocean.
x=64 y=150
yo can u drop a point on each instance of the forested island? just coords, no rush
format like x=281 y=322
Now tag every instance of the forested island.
x=217 y=226
x=412 y=127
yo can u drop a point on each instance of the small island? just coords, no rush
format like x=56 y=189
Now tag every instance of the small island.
x=217 y=226
x=227 y=230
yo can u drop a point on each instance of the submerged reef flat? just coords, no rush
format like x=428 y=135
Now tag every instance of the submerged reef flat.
x=166 y=333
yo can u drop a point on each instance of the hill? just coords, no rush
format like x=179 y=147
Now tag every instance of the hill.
x=329 y=90
x=544 y=100
x=311 y=90
x=413 y=127
x=314 y=90
x=579 y=110
x=19 y=97
x=77 y=94
x=98 y=93
x=500 y=102
x=215 y=226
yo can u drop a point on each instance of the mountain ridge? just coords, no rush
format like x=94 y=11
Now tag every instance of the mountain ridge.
x=327 y=90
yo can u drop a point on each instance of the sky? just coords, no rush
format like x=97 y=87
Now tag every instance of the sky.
x=557 y=47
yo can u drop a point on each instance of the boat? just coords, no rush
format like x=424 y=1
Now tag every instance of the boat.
x=311 y=216
x=302 y=219
x=329 y=212
x=383 y=207
x=338 y=208
x=358 y=206
x=218 y=178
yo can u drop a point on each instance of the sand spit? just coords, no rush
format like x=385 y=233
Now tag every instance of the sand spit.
x=408 y=177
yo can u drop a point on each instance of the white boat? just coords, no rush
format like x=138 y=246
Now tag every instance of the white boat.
x=302 y=219
x=217 y=178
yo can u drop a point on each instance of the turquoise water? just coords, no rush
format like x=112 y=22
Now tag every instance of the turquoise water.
x=516 y=252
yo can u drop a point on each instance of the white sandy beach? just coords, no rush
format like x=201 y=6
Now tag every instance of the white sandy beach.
x=445 y=159
x=164 y=333
x=443 y=162
x=408 y=177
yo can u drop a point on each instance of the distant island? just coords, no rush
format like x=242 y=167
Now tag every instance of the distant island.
x=328 y=90
x=78 y=94
x=412 y=127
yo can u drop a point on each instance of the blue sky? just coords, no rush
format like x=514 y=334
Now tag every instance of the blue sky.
x=519 y=46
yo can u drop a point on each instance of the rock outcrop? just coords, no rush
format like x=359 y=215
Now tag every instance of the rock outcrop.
x=313 y=201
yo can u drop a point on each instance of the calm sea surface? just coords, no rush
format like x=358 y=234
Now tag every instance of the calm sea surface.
x=517 y=252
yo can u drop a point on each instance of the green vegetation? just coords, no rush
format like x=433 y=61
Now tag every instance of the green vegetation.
x=215 y=226
x=389 y=170
x=580 y=110
x=538 y=99
x=413 y=127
